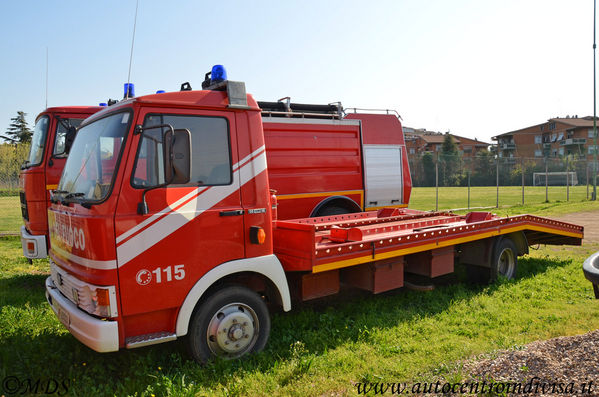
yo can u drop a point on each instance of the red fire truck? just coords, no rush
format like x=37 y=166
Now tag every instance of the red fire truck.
x=52 y=135
x=164 y=225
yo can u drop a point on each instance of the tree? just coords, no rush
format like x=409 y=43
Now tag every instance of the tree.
x=450 y=161
x=428 y=166
x=18 y=131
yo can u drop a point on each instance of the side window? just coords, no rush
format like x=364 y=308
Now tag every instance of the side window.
x=210 y=151
x=61 y=132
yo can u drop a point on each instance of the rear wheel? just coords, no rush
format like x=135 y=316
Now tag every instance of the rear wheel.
x=504 y=263
x=505 y=259
x=231 y=323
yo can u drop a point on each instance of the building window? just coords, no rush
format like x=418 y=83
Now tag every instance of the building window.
x=552 y=126
x=467 y=149
x=538 y=153
x=538 y=139
x=561 y=151
x=592 y=149
x=412 y=150
x=560 y=136
x=553 y=137
x=591 y=134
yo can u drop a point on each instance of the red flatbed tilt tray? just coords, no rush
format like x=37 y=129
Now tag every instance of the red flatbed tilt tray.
x=335 y=242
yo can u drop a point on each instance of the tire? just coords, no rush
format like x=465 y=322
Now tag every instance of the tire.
x=504 y=263
x=505 y=259
x=231 y=323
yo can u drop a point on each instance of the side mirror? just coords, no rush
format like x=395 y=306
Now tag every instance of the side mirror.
x=177 y=157
x=69 y=138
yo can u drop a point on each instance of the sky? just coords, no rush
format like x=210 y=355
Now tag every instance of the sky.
x=474 y=68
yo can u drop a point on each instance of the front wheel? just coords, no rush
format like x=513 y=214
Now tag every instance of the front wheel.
x=231 y=323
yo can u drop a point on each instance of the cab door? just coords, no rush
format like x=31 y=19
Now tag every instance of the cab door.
x=189 y=229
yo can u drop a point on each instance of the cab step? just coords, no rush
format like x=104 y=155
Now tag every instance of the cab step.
x=149 y=339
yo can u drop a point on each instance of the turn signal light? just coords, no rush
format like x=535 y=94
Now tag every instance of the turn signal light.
x=257 y=235
x=102 y=296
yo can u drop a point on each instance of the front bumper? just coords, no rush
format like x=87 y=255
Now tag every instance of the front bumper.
x=102 y=336
x=34 y=247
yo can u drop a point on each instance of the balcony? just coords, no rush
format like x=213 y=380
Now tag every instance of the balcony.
x=573 y=141
x=507 y=146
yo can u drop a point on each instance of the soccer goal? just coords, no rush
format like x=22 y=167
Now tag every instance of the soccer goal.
x=555 y=178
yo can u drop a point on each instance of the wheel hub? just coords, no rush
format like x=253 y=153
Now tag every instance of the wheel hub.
x=232 y=330
x=506 y=263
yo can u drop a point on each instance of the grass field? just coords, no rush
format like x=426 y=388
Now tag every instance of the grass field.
x=10 y=214
x=320 y=348
x=423 y=198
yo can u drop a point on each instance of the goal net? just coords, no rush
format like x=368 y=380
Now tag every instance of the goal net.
x=555 y=178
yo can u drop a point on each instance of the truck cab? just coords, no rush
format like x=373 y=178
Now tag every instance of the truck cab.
x=137 y=238
x=41 y=172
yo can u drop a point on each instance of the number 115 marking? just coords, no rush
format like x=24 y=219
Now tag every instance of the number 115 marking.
x=179 y=273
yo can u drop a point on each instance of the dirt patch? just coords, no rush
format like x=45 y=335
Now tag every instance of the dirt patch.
x=590 y=222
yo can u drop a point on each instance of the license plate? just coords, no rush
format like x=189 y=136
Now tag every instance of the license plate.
x=64 y=317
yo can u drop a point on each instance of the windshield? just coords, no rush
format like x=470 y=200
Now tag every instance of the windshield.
x=38 y=141
x=90 y=168
x=61 y=133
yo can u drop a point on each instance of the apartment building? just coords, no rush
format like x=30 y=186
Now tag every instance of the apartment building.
x=557 y=137
x=419 y=141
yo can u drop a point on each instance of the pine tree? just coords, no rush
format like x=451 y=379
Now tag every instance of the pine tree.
x=451 y=161
x=18 y=131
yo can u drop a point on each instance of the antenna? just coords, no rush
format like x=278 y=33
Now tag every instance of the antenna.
x=132 y=43
x=46 y=77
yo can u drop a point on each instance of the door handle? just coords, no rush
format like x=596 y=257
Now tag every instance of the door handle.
x=231 y=213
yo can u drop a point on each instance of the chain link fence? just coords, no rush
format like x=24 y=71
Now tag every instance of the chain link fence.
x=12 y=158
x=460 y=182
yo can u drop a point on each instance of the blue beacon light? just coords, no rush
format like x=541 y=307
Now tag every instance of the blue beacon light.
x=102 y=104
x=129 y=90
x=160 y=92
x=218 y=74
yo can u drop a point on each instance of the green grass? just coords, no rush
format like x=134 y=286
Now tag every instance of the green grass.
x=10 y=214
x=319 y=348
x=424 y=198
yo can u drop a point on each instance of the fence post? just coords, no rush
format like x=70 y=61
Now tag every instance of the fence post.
x=567 y=182
x=587 y=167
x=522 y=172
x=497 y=177
x=437 y=184
x=546 y=185
x=468 y=189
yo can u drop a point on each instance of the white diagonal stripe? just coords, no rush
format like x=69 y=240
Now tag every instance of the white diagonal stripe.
x=189 y=211
x=170 y=207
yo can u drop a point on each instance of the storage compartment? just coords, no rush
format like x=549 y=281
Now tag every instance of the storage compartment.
x=317 y=285
x=377 y=277
x=434 y=263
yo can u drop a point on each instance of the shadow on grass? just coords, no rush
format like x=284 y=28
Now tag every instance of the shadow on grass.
x=320 y=325
x=21 y=289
